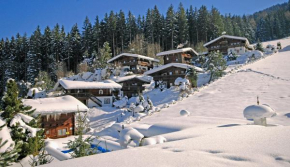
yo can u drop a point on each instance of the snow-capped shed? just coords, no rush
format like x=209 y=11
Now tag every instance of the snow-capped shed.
x=229 y=44
x=183 y=55
x=136 y=63
x=57 y=114
x=91 y=93
x=169 y=72
x=133 y=84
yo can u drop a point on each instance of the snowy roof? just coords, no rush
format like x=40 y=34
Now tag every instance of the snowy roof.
x=180 y=65
x=107 y=84
x=140 y=77
x=176 y=51
x=132 y=55
x=227 y=36
x=54 y=105
x=258 y=111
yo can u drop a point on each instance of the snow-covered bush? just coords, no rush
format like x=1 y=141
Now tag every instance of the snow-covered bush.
x=152 y=140
x=216 y=64
x=165 y=105
x=130 y=134
x=35 y=93
x=121 y=103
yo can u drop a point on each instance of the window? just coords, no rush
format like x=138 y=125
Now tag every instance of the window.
x=101 y=92
x=176 y=60
x=182 y=72
x=107 y=101
x=171 y=84
x=62 y=132
x=124 y=61
x=170 y=73
x=167 y=58
x=164 y=74
x=176 y=71
x=47 y=132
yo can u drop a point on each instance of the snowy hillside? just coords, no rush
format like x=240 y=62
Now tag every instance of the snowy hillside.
x=214 y=131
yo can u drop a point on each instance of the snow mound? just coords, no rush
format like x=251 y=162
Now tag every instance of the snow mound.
x=129 y=134
x=258 y=111
x=153 y=140
x=121 y=103
x=184 y=113
x=139 y=108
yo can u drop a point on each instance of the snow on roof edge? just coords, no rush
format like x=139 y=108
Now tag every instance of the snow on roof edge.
x=176 y=51
x=54 y=105
x=126 y=78
x=226 y=36
x=69 y=84
x=180 y=65
x=132 y=55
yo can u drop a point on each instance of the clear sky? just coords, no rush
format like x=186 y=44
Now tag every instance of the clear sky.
x=24 y=15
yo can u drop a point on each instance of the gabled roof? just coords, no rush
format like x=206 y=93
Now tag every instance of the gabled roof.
x=107 y=84
x=179 y=65
x=176 y=51
x=139 y=77
x=132 y=55
x=55 y=105
x=227 y=36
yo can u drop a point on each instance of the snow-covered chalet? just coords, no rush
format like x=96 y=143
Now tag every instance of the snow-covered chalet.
x=132 y=85
x=91 y=93
x=57 y=114
x=136 y=63
x=227 y=44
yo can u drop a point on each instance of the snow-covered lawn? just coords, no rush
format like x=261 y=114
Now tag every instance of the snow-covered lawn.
x=216 y=132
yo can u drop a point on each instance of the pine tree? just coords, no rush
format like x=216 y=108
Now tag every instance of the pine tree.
x=37 y=146
x=216 y=64
x=259 y=46
x=81 y=146
x=75 y=48
x=103 y=56
x=262 y=32
x=203 y=23
x=216 y=25
x=12 y=107
x=171 y=28
x=87 y=38
x=121 y=30
x=131 y=27
x=96 y=35
x=8 y=155
x=191 y=74
x=182 y=26
x=149 y=28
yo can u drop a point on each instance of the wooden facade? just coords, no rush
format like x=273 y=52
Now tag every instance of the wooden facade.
x=168 y=75
x=58 y=126
x=135 y=64
x=184 y=57
x=94 y=95
x=223 y=44
x=132 y=87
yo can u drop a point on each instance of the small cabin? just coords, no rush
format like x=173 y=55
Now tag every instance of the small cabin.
x=227 y=44
x=138 y=64
x=133 y=85
x=169 y=72
x=184 y=55
x=57 y=114
x=91 y=93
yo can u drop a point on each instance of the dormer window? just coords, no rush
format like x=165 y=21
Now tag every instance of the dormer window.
x=101 y=92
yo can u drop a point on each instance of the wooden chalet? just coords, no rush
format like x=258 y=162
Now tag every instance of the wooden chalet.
x=227 y=44
x=133 y=85
x=91 y=93
x=138 y=64
x=57 y=114
x=184 y=55
x=169 y=72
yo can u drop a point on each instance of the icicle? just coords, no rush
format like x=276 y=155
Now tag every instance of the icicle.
x=54 y=116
